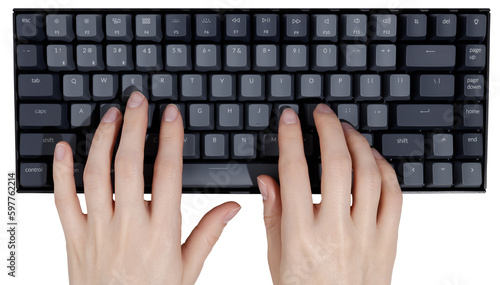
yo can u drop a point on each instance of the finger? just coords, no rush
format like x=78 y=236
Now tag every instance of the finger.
x=391 y=197
x=270 y=191
x=96 y=176
x=167 y=178
x=129 y=176
x=203 y=238
x=293 y=172
x=336 y=165
x=67 y=203
x=366 y=180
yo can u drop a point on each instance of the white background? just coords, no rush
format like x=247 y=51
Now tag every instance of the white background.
x=444 y=239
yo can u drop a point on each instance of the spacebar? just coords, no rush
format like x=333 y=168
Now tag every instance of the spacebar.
x=226 y=175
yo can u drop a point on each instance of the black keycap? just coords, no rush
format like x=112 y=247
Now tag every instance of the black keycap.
x=119 y=57
x=82 y=115
x=470 y=145
x=402 y=145
x=164 y=86
x=367 y=87
x=213 y=176
x=353 y=57
x=296 y=58
x=134 y=82
x=324 y=27
x=472 y=116
x=78 y=169
x=89 y=27
x=266 y=58
x=443 y=26
x=180 y=106
x=36 y=116
x=429 y=57
x=104 y=108
x=353 y=27
x=471 y=87
x=178 y=57
x=38 y=87
x=438 y=174
x=89 y=57
x=411 y=175
x=207 y=58
x=309 y=118
x=382 y=57
x=467 y=174
x=229 y=117
x=374 y=116
x=385 y=27
x=178 y=27
x=33 y=175
x=191 y=148
x=296 y=27
x=193 y=87
x=267 y=27
x=36 y=144
x=104 y=86
x=243 y=146
x=208 y=27
x=237 y=58
x=59 y=27
x=251 y=87
x=348 y=113
x=441 y=146
x=414 y=26
x=119 y=27
x=280 y=87
x=309 y=86
x=257 y=116
x=60 y=58
x=397 y=87
x=151 y=145
x=472 y=57
x=30 y=27
x=237 y=27
x=148 y=58
x=201 y=117
x=269 y=145
x=30 y=57
x=215 y=146
x=76 y=87
x=435 y=87
x=472 y=26
x=148 y=27
x=338 y=87
x=424 y=116
x=324 y=57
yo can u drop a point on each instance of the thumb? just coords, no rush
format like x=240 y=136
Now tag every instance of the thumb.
x=203 y=238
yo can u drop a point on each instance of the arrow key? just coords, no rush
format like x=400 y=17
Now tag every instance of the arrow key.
x=441 y=145
x=468 y=174
x=438 y=174
x=411 y=175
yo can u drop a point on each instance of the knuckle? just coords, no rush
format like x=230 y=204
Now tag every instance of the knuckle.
x=338 y=163
x=271 y=222
x=129 y=162
x=93 y=178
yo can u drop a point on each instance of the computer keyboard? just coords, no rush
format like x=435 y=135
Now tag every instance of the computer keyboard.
x=414 y=82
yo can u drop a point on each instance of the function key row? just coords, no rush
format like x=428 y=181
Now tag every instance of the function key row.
x=265 y=27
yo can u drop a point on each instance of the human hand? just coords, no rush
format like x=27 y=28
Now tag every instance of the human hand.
x=130 y=240
x=331 y=242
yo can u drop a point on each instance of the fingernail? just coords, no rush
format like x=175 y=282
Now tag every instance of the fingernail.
x=135 y=100
x=110 y=116
x=289 y=117
x=230 y=215
x=323 y=108
x=377 y=154
x=170 y=113
x=346 y=126
x=59 y=152
x=262 y=188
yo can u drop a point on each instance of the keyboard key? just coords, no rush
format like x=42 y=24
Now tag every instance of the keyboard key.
x=348 y=113
x=269 y=145
x=119 y=27
x=353 y=57
x=223 y=87
x=443 y=26
x=367 y=87
x=280 y=87
x=201 y=117
x=467 y=174
x=148 y=27
x=178 y=27
x=412 y=175
x=36 y=145
x=148 y=58
x=208 y=58
x=30 y=27
x=89 y=57
x=309 y=86
x=266 y=58
x=296 y=58
x=134 y=82
x=180 y=106
x=59 y=27
x=82 y=115
x=164 y=86
x=297 y=27
x=36 y=116
x=472 y=57
x=76 y=87
x=441 y=146
x=399 y=87
x=382 y=57
x=237 y=27
x=324 y=58
x=33 y=175
x=375 y=117
x=215 y=146
x=471 y=87
x=193 y=87
x=38 y=87
x=430 y=57
x=424 y=116
x=208 y=27
x=438 y=174
x=178 y=57
x=257 y=116
x=104 y=86
x=243 y=146
x=472 y=116
x=436 y=87
x=414 y=26
x=237 y=58
x=338 y=87
x=472 y=26
x=89 y=27
x=119 y=57
x=251 y=87
x=385 y=27
x=470 y=145
x=191 y=148
x=324 y=27
x=60 y=57
x=369 y=138
x=353 y=27
x=266 y=27
x=229 y=117
x=30 y=57
x=403 y=145
x=104 y=108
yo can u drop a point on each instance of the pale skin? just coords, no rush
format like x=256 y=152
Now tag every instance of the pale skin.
x=308 y=244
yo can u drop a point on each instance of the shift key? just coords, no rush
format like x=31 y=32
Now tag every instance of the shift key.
x=403 y=145
x=35 y=145
x=36 y=116
x=38 y=87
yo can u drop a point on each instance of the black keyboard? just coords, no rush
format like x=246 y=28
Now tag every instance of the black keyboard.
x=413 y=82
